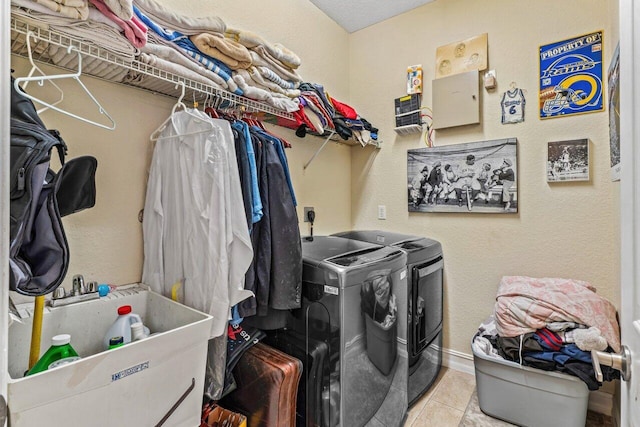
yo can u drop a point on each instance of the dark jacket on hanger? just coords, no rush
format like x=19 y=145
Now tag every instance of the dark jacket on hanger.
x=261 y=241
x=245 y=174
x=286 y=248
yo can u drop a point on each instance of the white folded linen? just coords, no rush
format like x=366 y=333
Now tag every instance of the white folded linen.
x=172 y=20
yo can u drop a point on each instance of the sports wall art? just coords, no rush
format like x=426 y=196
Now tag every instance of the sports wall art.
x=571 y=76
x=479 y=177
x=568 y=160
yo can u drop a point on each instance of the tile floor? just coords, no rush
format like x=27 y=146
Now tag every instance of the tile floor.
x=444 y=405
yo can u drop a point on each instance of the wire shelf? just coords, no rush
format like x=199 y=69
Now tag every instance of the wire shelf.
x=162 y=81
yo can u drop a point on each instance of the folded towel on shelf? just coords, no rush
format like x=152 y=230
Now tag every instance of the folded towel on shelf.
x=214 y=67
x=253 y=78
x=285 y=73
x=94 y=34
x=134 y=29
x=232 y=53
x=31 y=5
x=284 y=104
x=123 y=9
x=76 y=9
x=270 y=75
x=174 y=68
x=173 y=20
x=94 y=14
x=276 y=50
x=187 y=47
x=172 y=55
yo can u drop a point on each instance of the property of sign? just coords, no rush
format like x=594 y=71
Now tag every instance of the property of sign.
x=571 y=76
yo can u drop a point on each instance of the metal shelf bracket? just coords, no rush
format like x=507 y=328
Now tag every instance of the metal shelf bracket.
x=306 y=165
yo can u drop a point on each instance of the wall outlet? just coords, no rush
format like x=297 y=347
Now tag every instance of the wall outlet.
x=306 y=213
x=382 y=212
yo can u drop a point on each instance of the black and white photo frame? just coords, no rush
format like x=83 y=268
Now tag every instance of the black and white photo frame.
x=478 y=177
x=568 y=160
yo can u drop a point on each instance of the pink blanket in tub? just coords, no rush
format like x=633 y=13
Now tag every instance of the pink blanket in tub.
x=525 y=304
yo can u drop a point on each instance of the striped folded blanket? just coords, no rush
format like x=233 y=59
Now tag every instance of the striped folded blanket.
x=253 y=78
x=185 y=45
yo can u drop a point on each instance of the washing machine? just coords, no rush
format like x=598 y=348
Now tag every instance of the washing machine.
x=350 y=313
x=422 y=303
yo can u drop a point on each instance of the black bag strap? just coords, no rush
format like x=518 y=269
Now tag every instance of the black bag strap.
x=62 y=147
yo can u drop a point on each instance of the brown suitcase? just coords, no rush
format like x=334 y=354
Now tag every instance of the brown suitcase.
x=267 y=386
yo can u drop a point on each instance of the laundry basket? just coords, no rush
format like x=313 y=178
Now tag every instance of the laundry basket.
x=527 y=396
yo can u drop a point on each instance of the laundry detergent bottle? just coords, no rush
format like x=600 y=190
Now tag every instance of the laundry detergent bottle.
x=122 y=326
x=60 y=353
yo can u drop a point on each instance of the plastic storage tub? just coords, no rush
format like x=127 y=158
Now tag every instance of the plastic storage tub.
x=527 y=396
x=133 y=385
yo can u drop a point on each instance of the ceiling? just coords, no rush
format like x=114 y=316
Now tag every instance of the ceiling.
x=354 y=15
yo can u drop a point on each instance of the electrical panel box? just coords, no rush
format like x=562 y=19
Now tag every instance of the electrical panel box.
x=456 y=100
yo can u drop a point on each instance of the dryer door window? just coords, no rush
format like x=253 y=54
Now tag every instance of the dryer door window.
x=425 y=308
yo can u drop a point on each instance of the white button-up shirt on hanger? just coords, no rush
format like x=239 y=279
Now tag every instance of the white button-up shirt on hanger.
x=194 y=223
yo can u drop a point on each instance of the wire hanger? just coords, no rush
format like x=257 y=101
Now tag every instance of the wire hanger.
x=155 y=135
x=75 y=76
x=211 y=109
x=35 y=68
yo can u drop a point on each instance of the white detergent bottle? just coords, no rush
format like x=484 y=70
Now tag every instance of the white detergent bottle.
x=122 y=326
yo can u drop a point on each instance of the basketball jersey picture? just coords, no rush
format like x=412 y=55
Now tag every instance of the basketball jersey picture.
x=512 y=106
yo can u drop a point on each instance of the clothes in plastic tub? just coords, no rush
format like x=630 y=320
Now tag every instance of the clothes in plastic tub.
x=527 y=396
x=133 y=385
x=381 y=344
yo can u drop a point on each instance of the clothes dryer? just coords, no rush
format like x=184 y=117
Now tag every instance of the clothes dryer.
x=349 y=303
x=423 y=300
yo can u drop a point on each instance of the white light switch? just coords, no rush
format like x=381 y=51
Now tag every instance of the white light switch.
x=382 y=212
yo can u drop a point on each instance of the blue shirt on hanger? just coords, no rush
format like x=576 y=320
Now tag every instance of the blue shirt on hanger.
x=255 y=190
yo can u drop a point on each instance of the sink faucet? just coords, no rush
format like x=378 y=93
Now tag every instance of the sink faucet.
x=78 y=285
x=79 y=292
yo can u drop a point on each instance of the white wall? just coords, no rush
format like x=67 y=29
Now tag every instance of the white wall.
x=561 y=230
